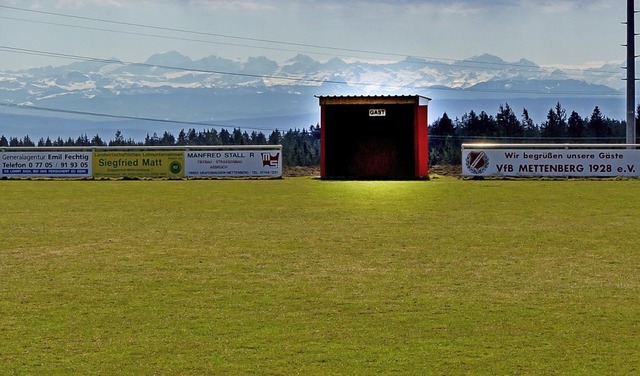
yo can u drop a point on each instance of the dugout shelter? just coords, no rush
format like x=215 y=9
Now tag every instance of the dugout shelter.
x=374 y=137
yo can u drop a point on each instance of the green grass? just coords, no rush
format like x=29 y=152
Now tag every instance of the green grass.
x=302 y=276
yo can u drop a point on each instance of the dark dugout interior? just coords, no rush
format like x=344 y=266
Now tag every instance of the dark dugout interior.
x=369 y=147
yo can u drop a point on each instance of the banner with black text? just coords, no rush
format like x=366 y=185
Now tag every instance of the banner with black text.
x=46 y=164
x=550 y=162
x=233 y=163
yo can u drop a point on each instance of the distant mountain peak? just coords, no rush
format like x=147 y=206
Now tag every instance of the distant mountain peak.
x=336 y=60
x=301 y=59
x=171 y=58
x=487 y=58
x=414 y=59
x=527 y=63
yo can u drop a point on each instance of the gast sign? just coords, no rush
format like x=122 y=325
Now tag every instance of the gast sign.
x=528 y=160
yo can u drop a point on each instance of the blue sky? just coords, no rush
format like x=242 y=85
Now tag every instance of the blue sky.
x=557 y=33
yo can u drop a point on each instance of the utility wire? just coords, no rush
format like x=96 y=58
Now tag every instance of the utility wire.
x=285 y=78
x=459 y=63
x=122 y=23
x=125 y=117
x=270 y=41
x=194 y=70
x=159 y=36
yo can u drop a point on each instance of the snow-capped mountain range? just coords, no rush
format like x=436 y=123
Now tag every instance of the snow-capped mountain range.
x=259 y=93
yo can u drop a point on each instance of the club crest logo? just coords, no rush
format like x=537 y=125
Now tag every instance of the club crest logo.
x=175 y=167
x=270 y=160
x=477 y=162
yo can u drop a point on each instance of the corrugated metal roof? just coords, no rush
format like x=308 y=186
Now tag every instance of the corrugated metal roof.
x=373 y=99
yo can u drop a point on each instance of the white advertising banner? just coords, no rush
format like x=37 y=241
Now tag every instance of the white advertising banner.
x=233 y=163
x=550 y=162
x=54 y=164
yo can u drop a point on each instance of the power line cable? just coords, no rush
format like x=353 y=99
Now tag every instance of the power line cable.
x=125 y=117
x=164 y=28
x=158 y=35
x=271 y=41
x=296 y=79
x=195 y=70
x=460 y=64
x=286 y=78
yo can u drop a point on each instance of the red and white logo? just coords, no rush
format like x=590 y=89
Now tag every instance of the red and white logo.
x=477 y=161
x=270 y=160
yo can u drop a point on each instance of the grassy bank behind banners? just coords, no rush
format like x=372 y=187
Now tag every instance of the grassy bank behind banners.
x=319 y=277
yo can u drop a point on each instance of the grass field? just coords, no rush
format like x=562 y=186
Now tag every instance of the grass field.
x=302 y=276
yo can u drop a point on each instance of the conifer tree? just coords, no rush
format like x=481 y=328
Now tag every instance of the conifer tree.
x=597 y=125
x=576 y=126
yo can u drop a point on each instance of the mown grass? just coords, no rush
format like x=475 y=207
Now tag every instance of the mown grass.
x=302 y=276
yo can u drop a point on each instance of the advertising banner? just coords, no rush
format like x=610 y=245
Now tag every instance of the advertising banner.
x=550 y=162
x=233 y=163
x=141 y=164
x=45 y=164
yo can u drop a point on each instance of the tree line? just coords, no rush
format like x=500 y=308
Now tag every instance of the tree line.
x=447 y=135
x=300 y=147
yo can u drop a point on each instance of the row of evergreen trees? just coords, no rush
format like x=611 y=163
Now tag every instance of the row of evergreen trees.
x=446 y=136
x=300 y=147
